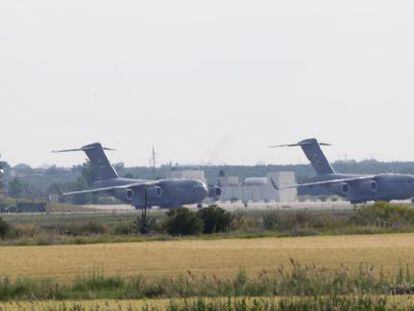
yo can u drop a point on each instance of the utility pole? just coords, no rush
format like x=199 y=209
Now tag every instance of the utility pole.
x=153 y=162
x=144 y=223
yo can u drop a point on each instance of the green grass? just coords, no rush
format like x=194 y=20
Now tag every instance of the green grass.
x=320 y=303
x=297 y=280
x=81 y=228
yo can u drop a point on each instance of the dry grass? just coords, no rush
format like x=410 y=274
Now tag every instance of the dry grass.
x=393 y=303
x=222 y=258
x=82 y=305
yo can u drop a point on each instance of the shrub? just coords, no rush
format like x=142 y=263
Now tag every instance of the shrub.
x=282 y=221
x=5 y=229
x=91 y=227
x=97 y=281
x=144 y=225
x=215 y=219
x=94 y=227
x=123 y=228
x=384 y=214
x=26 y=230
x=182 y=221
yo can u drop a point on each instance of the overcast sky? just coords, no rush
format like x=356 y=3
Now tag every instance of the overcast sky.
x=206 y=81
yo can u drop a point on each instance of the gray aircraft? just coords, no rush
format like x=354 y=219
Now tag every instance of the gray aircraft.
x=354 y=188
x=165 y=193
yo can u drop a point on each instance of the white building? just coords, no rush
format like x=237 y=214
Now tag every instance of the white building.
x=259 y=189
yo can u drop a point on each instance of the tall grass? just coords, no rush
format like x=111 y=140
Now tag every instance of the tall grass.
x=319 y=303
x=322 y=303
x=75 y=229
x=294 y=280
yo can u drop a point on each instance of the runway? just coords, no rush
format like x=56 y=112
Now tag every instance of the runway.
x=340 y=205
x=121 y=209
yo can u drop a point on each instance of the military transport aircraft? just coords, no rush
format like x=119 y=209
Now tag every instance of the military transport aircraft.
x=354 y=188
x=165 y=193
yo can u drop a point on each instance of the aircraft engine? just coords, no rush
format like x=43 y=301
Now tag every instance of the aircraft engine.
x=214 y=192
x=129 y=194
x=125 y=194
x=154 y=192
x=342 y=188
x=369 y=186
x=345 y=188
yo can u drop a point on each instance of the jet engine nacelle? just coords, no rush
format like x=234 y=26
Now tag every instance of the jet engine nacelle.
x=342 y=188
x=214 y=192
x=127 y=194
x=369 y=186
x=154 y=192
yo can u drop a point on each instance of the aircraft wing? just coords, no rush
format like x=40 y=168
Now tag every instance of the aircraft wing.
x=322 y=183
x=103 y=189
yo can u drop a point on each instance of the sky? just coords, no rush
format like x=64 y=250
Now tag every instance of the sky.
x=206 y=81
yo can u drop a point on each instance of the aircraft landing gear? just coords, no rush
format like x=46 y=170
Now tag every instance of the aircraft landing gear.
x=355 y=204
x=200 y=205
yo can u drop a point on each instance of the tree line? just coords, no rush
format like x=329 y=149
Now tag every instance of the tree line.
x=22 y=181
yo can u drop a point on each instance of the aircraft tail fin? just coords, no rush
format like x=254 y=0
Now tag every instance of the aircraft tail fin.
x=311 y=148
x=96 y=155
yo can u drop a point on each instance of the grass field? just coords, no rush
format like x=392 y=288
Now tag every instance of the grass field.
x=83 y=305
x=222 y=258
x=92 y=228
x=258 y=303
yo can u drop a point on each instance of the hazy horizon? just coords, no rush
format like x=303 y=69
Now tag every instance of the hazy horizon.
x=206 y=82
x=301 y=160
x=195 y=165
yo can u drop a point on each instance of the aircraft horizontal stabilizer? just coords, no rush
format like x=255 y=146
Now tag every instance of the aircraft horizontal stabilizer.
x=82 y=149
x=312 y=149
x=300 y=144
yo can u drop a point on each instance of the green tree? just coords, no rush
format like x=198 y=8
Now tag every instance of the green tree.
x=129 y=175
x=215 y=219
x=182 y=221
x=84 y=181
x=84 y=198
x=89 y=173
x=15 y=188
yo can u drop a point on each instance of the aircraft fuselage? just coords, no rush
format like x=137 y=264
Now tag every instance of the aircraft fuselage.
x=382 y=187
x=169 y=193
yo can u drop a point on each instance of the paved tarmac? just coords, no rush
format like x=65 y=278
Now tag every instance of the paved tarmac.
x=260 y=206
